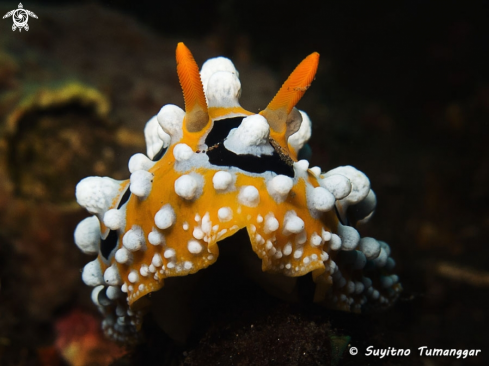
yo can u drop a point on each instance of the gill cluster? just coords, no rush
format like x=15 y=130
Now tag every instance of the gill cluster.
x=213 y=169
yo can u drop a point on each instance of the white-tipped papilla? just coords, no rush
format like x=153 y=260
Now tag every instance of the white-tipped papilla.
x=335 y=242
x=96 y=194
x=337 y=184
x=223 y=90
x=349 y=237
x=301 y=165
x=112 y=276
x=139 y=162
x=251 y=137
x=95 y=294
x=360 y=185
x=370 y=247
x=165 y=217
x=141 y=183
x=279 y=187
x=170 y=118
x=225 y=214
x=292 y=223
x=298 y=139
x=186 y=187
x=316 y=171
x=155 y=137
x=249 y=196
x=113 y=292
x=321 y=199
x=155 y=237
x=214 y=65
x=182 y=152
x=194 y=246
x=92 y=273
x=222 y=180
x=115 y=219
x=123 y=256
x=133 y=239
x=271 y=224
x=87 y=235
x=381 y=260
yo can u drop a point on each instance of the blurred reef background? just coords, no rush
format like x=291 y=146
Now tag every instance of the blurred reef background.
x=402 y=94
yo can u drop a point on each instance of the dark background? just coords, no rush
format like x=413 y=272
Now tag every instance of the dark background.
x=402 y=93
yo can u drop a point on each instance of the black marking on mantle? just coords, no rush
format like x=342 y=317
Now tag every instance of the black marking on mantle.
x=221 y=156
x=109 y=243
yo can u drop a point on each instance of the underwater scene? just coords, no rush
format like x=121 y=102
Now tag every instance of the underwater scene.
x=244 y=183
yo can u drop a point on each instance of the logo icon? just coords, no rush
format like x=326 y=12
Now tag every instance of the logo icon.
x=20 y=17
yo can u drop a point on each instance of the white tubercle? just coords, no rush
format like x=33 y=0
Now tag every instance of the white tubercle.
x=169 y=253
x=114 y=219
x=298 y=139
x=271 y=224
x=198 y=233
x=321 y=199
x=133 y=239
x=141 y=183
x=316 y=171
x=370 y=247
x=225 y=214
x=112 y=276
x=96 y=194
x=316 y=240
x=92 y=273
x=113 y=292
x=170 y=118
x=365 y=209
x=144 y=270
x=87 y=235
x=251 y=137
x=301 y=165
x=335 y=242
x=349 y=237
x=157 y=261
x=337 y=184
x=155 y=137
x=280 y=186
x=155 y=237
x=326 y=235
x=95 y=294
x=186 y=187
x=214 y=65
x=381 y=260
x=140 y=162
x=194 y=246
x=123 y=256
x=360 y=185
x=133 y=276
x=222 y=180
x=223 y=90
x=249 y=196
x=182 y=152
x=165 y=217
x=293 y=223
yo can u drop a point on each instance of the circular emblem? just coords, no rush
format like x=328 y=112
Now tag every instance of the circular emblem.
x=20 y=18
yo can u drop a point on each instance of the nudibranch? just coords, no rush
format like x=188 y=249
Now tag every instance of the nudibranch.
x=213 y=169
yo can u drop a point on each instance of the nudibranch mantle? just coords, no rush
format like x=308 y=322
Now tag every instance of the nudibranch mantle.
x=213 y=169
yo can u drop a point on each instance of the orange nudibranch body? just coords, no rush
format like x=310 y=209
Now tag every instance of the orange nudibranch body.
x=213 y=169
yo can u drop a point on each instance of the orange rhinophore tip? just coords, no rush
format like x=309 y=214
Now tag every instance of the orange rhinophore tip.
x=288 y=96
x=196 y=115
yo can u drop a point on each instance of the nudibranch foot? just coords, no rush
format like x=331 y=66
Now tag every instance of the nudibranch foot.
x=212 y=170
